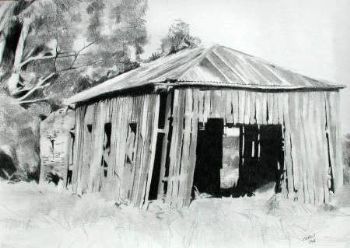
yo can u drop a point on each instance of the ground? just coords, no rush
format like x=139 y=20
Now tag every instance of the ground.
x=35 y=216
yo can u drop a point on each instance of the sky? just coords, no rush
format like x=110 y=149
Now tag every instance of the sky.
x=311 y=37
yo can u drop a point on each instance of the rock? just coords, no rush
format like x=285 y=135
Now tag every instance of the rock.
x=19 y=141
x=56 y=140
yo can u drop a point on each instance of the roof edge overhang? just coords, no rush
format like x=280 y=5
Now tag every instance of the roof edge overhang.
x=168 y=85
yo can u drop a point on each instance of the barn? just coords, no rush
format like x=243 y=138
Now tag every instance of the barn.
x=208 y=120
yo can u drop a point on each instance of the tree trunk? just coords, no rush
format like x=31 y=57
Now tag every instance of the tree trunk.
x=13 y=83
x=6 y=12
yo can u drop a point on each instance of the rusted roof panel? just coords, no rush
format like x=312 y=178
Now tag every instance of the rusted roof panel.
x=215 y=66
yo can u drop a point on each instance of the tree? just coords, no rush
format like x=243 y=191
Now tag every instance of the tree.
x=51 y=49
x=178 y=38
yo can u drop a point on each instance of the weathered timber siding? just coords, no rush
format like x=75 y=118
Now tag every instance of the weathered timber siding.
x=55 y=147
x=126 y=181
x=311 y=137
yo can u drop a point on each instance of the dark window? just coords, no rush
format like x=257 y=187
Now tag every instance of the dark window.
x=106 y=148
x=162 y=110
x=89 y=128
x=131 y=143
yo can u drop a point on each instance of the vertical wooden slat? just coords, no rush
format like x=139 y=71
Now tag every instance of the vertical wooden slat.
x=153 y=116
x=192 y=150
x=269 y=108
x=228 y=106
x=139 y=167
x=185 y=148
x=79 y=132
x=201 y=105
x=207 y=104
x=235 y=106
x=335 y=138
x=259 y=108
x=252 y=119
x=168 y=115
x=97 y=147
x=247 y=107
x=241 y=106
x=173 y=147
x=299 y=134
x=288 y=147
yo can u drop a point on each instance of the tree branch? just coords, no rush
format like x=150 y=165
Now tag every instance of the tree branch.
x=39 y=85
x=34 y=100
x=81 y=66
x=76 y=55
x=38 y=57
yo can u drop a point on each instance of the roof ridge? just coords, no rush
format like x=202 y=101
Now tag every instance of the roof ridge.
x=198 y=60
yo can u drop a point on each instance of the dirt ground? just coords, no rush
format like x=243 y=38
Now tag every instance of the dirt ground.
x=45 y=216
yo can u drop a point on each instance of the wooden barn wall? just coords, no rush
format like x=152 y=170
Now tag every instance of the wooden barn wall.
x=311 y=137
x=55 y=141
x=125 y=180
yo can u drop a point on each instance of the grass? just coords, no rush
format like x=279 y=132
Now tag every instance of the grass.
x=34 y=215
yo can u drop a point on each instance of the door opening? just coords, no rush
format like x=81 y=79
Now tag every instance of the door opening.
x=209 y=157
x=262 y=157
x=237 y=160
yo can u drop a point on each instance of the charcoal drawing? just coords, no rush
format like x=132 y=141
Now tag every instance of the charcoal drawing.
x=163 y=123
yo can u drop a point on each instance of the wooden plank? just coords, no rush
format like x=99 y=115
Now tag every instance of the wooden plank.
x=185 y=147
x=228 y=107
x=275 y=109
x=252 y=118
x=173 y=146
x=79 y=131
x=241 y=106
x=127 y=170
x=306 y=147
x=192 y=151
x=330 y=141
x=310 y=148
x=263 y=98
x=258 y=107
x=168 y=115
x=180 y=145
x=207 y=105
x=324 y=148
x=246 y=118
x=114 y=170
x=94 y=184
x=288 y=157
x=153 y=127
x=235 y=106
x=338 y=182
x=294 y=141
x=201 y=105
x=140 y=165
x=280 y=106
x=270 y=108
x=301 y=137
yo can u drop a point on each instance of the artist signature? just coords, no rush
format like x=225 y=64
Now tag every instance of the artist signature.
x=310 y=238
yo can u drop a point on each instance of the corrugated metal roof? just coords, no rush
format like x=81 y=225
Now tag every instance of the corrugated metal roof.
x=217 y=66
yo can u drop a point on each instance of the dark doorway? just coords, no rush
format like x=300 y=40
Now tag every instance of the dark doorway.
x=209 y=157
x=262 y=158
x=153 y=192
x=237 y=160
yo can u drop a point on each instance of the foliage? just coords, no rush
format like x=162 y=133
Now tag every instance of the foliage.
x=178 y=38
x=59 y=47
